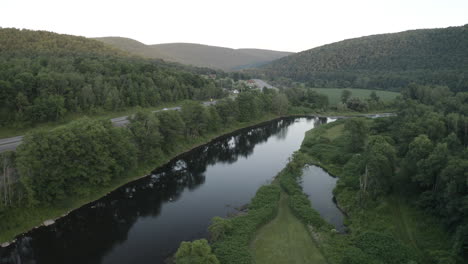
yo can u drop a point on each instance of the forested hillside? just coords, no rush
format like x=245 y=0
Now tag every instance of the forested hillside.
x=44 y=76
x=387 y=61
x=198 y=55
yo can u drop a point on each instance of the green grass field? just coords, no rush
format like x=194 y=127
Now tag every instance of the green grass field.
x=285 y=240
x=334 y=94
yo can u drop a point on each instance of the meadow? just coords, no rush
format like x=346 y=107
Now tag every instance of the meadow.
x=334 y=94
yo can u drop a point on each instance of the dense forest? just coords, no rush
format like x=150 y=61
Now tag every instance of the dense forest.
x=387 y=61
x=44 y=76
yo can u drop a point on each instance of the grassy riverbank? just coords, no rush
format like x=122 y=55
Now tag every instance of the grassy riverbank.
x=285 y=240
x=19 y=220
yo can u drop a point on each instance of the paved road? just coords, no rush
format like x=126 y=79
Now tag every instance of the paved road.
x=13 y=142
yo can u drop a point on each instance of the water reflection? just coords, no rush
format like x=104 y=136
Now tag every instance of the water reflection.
x=145 y=221
x=319 y=185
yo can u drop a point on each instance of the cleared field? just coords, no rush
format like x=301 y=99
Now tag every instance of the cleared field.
x=334 y=94
x=285 y=240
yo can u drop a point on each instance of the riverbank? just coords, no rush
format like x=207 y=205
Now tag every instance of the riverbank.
x=285 y=240
x=19 y=220
x=392 y=218
x=387 y=230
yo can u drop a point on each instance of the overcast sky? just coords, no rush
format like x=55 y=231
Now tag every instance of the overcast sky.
x=289 y=25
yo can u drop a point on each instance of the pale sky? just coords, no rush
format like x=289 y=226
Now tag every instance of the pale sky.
x=288 y=25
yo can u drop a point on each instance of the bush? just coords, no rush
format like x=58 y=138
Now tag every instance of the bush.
x=196 y=252
x=233 y=248
x=384 y=248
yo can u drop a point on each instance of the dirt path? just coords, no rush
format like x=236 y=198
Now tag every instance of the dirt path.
x=285 y=240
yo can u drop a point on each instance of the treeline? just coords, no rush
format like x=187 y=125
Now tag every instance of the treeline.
x=44 y=76
x=71 y=160
x=387 y=61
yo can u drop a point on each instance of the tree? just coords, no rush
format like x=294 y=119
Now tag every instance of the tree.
x=196 y=252
x=418 y=149
x=248 y=106
x=357 y=131
x=374 y=97
x=219 y=228
x=195 y=118
x=380 y=158
x=144 y=127
x=357 y=104
x=70 y=159
x=171 y=127
x=280 y=104
x=345 y=95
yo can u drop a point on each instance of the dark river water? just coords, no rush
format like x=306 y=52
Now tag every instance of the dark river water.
x=318 y=185
x=145 y=221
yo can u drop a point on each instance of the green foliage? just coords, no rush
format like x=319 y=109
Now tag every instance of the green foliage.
x=219 y=228
x=234 y=247
x=196 y=119
x=386 y=61
x=334 y=95
x=307 y=98
x=417 y=182
x=345 y=95
x=357 y=130
x=196 y=252
x=46 y=75
x=171 y=128
x=383 y=248
x=380 y=160
x=144 y=127
x=69 y=159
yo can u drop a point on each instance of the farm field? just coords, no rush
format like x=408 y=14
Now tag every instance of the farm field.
x=334 y=94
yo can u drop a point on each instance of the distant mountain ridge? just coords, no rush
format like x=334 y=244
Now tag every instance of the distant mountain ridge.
x=197 y=54
x=387 y=61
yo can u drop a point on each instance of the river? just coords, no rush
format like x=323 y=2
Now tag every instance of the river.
x=145 y=221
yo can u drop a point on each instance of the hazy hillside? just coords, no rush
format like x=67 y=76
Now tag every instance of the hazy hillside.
x=198 y=55
x=434 y=56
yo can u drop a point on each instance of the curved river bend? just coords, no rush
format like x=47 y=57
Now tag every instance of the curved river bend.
x=145 y=221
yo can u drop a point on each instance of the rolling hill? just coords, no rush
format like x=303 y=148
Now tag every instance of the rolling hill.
x=44 y=76
x=386 y=61
x=198 y=55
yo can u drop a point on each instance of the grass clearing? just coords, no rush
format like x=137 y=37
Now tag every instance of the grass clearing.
x=334 y=94
x=285 y=240
x=334 y=132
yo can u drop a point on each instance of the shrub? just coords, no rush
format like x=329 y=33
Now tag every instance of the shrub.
x=196 y=252
x=233 y=248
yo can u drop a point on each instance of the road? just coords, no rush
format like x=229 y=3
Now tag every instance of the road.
x=13 y=142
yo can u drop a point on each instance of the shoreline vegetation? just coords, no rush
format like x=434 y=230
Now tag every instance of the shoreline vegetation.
x=45 y=216
x=388 y=229
x=186 y=130
x=7 y=237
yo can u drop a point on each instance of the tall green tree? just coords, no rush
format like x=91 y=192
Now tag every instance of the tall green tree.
x=196 y=252
x=171 y=128
x=357 y=130
x=144 y=127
